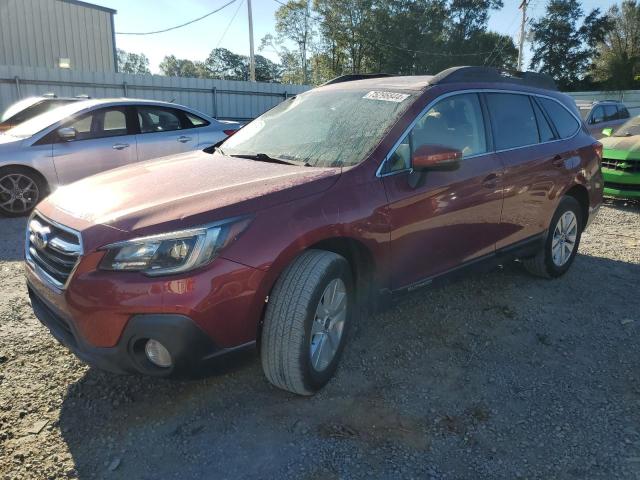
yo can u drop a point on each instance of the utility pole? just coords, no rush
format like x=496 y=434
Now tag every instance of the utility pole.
x=523 y=7
x=252 y=58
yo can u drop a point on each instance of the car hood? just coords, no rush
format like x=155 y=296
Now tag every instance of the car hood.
x=185 y=190
x=621 y=148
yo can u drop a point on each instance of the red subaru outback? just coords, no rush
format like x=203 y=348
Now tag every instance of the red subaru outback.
x=303 y=220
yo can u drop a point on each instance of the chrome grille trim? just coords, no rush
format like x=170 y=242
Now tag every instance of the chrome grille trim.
x=52 y=257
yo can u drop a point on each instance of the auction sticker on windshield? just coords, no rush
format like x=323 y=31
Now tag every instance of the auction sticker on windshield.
x=386 y=96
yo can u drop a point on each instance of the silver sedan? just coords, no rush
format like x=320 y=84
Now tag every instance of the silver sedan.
x=87 y=137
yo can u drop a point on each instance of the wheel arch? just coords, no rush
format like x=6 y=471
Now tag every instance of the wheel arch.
x=581 y=194
x=26 y=168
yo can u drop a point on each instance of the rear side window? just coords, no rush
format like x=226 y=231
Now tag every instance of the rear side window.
x=158 y=119
x=195 y=120
x=512 y=120
x=623 y=113
x=610 y=113
x=566 y=124
x=544 y=129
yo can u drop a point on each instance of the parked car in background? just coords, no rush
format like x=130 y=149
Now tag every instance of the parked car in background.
x=621 y=160
x=599 y=115
x=27 y=108
x=84 y=138
x=308 y=216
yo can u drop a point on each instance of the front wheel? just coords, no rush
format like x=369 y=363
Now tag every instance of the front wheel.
x=20 y=191
x=561 y=244
x=306 y=321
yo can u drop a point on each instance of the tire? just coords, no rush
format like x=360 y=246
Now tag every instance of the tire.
x=20 y=191
x=292 y=327
x=544 y=264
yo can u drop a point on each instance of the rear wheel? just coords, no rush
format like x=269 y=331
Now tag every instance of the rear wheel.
x=20 y=191
x=306 y=321
x=561 y=244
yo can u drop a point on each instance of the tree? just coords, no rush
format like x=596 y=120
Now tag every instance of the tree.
x=224 y=64
x=563 y=46
x=293 y=22
x=180 y=67
x=266 y=70
x=618 y=61
x=132 y=63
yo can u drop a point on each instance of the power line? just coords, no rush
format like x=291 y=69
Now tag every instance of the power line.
x=230 y=22
x=181 y=25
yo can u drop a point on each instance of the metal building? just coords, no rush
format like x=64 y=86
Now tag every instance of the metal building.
x=66 y=34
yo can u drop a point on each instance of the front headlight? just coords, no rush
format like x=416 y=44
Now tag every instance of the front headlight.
x=174 y=252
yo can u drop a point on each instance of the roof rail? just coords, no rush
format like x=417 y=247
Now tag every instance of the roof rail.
x=355 y=76
x=493 y=75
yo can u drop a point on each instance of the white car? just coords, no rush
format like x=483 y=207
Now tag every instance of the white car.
x=90 y=136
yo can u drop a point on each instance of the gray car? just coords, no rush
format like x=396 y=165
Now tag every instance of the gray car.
x=87 y=137
x=602 y=114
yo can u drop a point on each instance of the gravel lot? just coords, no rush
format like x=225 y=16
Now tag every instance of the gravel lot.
x=500 y=375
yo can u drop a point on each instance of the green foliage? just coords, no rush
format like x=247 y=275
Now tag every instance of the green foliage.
x=618 y=63
x=564 y=43
x=132 y=63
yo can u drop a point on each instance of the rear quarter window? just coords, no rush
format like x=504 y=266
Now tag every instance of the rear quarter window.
x=565 y=123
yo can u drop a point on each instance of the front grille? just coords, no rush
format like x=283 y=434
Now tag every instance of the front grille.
x=628 y=166
x=622 y=186
x=52 y=249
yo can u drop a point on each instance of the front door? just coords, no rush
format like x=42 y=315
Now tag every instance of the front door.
x=163 y=131
x=104 y=140
x=443 y=219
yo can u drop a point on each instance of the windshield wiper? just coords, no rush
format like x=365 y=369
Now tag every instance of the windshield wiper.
x=263 y=157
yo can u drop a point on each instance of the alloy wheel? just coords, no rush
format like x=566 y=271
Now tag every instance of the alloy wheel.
x=328 y=324
x=564 y=238
x=18 y=193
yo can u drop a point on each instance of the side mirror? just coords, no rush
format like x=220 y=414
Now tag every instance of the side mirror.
x=436 y=157
x=67 y=133
x=607 y=132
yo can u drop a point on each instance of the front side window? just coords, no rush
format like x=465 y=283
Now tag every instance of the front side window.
x=454 y=122
x=105 y=122
x=597 y=116
x=328 y=127
x=512 y=120
x=566 y=124
x=158 y=119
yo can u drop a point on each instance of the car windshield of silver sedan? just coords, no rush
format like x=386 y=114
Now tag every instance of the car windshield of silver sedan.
x=44 y=120
x=322 y=128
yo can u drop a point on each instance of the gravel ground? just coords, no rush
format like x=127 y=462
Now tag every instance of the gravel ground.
x=500 y=375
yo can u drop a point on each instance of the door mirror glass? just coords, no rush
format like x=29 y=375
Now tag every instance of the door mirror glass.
x=436 y=157
x=607 y=132
x=67 y=133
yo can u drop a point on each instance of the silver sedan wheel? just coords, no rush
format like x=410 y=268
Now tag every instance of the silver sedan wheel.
x=18 y=193
x=328 y=324
x=564 y=238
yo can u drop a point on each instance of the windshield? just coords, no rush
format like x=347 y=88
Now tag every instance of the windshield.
x=322 y=128
x=44 y=120
x=38 y=108
x=629 y=128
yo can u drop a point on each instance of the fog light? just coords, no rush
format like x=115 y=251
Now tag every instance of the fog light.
x=157 y=354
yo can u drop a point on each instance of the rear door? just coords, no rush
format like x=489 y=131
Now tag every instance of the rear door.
x=535 y=156
x=104 y=140
x=163 y=131
x=442 y=219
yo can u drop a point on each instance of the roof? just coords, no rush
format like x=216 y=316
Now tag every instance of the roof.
x=90 y=5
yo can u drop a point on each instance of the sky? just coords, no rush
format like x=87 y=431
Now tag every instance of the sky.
x=229 y=27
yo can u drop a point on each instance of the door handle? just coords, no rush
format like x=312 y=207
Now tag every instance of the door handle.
x=120 y=146
x=184 y=139
x=558 y=161
x=490 y=181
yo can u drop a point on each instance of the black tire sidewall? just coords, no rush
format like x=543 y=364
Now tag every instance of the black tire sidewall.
x=42 y=189
x=567 y=204
x=339 y=268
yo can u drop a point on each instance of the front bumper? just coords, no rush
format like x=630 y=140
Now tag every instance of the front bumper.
x=621 y=184
x=188 y=344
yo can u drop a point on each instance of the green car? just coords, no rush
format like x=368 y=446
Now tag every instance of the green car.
x=621 y=160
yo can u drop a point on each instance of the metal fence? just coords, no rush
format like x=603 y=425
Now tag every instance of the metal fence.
x=223 y=99
x=631 y=98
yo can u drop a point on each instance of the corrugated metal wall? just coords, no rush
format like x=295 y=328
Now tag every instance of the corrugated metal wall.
x=224 y=99
x=37 y=33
